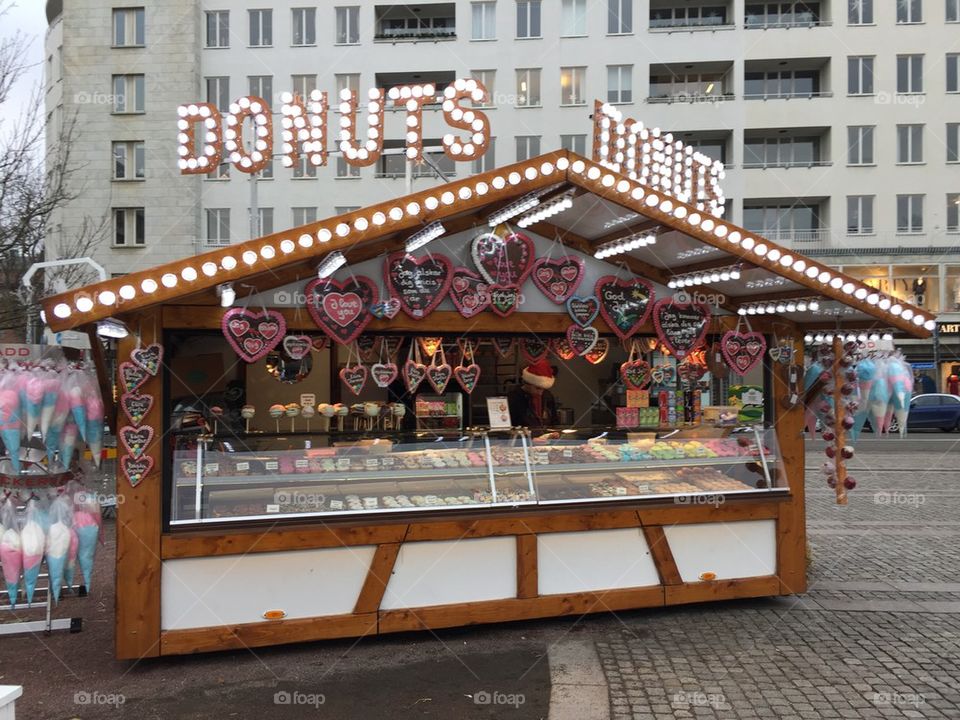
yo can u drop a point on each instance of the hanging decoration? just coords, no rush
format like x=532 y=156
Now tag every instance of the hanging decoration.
x=742 y=350
x=366 y=347
x=384 y=373
x=503 y=345
x=297 y=346
x=503 y=260
x=319 y=342
x=341 y=308
x=136 y=407
x=467 y=375
x=690 y=372
x=148 y=357
x=598 y=353
x=533 y=348
x=635 y=372
x=624 y=303
x=420 y=284
x=253 y=334
x=136 y=469
x=561 y=348
x=414 y=371
x=429 y=345
x=469 y=292
x=681 y=327
x=504 y=299
x=583 y=310
x=132 y=376
x=558 y=278
x=582 y=339
x=782 y=350
x=354 y=376
x=663 y=375
x=136 y=440
x=386 y=309
x=439 y=371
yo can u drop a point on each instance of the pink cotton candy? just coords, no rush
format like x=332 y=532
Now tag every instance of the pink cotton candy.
x=82 y=518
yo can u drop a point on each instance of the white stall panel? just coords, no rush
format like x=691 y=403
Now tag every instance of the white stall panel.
x=730 y=550
x=199 y=592
x=452 y=571
x=596 y=560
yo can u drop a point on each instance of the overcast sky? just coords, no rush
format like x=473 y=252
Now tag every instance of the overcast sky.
x=28 y=17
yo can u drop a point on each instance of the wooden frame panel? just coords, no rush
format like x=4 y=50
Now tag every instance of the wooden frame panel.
x=662 y=555
x=722 y=590
x=381 y=567
x=527 y=569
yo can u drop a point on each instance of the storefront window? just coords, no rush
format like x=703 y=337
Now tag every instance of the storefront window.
x=917 y=284
x=952 y=288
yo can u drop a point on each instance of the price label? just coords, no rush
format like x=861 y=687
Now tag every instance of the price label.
x=541 y=458
x=336 y=504
x=243 y=466
x=568 y=453
x=212 y=467
x=619 y=491
x=343 y=463
x=273 y=508
x=387 y=462
x=644 y=489
x=371 y=463
x=308 y=400
x=301 y=463
x=271 y=465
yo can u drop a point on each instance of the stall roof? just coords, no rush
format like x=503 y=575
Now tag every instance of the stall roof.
x=607 y=207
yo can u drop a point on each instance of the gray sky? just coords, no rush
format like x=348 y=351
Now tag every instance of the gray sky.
x=28 y=17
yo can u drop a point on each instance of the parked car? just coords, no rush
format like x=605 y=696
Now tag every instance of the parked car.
x=929 y=411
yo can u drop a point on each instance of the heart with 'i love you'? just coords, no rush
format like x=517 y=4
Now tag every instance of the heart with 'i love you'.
x=354 y=377
x=582 y=339
x=341 y=309
x=742 y=351
x=253 y=334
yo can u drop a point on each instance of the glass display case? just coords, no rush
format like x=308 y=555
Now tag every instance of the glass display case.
x=265 y=476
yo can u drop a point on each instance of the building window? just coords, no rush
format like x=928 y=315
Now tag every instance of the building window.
x=344 y=209
x=528 y=146
x=691 y=86
x=619 y=17
x=860 y=12
x=571 y=85
x=304 y=26
x=303 y=168
x=128 y=161
x=261 y=28
x=620 y=83
x=780 y=222
x=953 y=142
x=128 y=93
x=573 y=18
x=909 y=213
x=859 y=214
x=528 y=87
x=953 y=212
x=128 y=28
x=782 y=84
x=487 y=161
x=484 y=20
x=348 y=22
x=909 y=144
x=909 y=73
x=264 y=221
x=129 y=227
x=348 y=82
x=304 y=216
x=713 y=148
x=953 y=72
x=218 y=92
x=303 y=86
x=262 y=86
x=528 y=19
x=691 y=17
x=860 y=145
x=267 y=172
x=218 y=29
x=574 y=143
x=953 y=11
x=218 y=226
x=345 y=170
x=487 y=78
x=909 y=11
x=860 y=75
x=781 y=14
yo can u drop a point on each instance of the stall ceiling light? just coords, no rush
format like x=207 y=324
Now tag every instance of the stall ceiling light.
x=706 y=276
x=227 y=294
x=826 y=336
x=546 y=210
x=424 y=236
x=527 y=202
x=112 y=328
x=778 y=308
x=331 y=263
x=631 y=242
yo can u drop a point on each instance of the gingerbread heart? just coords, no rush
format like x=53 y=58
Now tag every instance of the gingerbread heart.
x=681 y=327
x=503 y=260
x=561 y=348
x=319 y=342
x=558 y=278
x=504 y=299
x=598 y=353
x=132 y=377
x=297 y=346
x=136 y=406
x=341 y=308
x=384 y=373
x=253 y=334
x=663 y=374
x=742 y=351
x=690 y=373
x=468 y=292
x=136 y=469
x=354 y=377
x=782 y=352
x=390 y=344
x=583 y=310
x=414 y=373
x=148 y=358
x=533 y=348
x=420 y=284
x=503 y=345
x=635 y=374
x=467 y=376
x=430 y=345
x=366 y=347
x=439 y=376
x=625 y=303
x=386 y=310
x=136 y=440
x=582 y=339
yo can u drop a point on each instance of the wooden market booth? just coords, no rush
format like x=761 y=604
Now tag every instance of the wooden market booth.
x=189 y=580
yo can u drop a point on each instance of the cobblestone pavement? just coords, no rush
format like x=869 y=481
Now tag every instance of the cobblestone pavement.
x=876 y=636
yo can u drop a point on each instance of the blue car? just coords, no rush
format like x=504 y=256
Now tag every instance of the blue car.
x=934 y=410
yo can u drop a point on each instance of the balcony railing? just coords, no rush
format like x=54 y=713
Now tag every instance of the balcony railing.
x=692 y=98
x=707 y=23
x=753 y=165
x=798 y=22
x=796 y=237
x=402 y=34
x=787 y=95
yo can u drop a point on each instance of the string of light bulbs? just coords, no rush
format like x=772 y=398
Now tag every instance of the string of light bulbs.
x=778 y=308
x=626 y=244
x=708 y=276
x=546 y=209
x=820 y=338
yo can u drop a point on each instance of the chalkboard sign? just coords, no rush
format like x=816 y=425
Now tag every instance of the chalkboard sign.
x=419 y=283
x=681 y=326
x=624 y=303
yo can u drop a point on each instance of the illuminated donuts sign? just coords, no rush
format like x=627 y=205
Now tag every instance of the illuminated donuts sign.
x=304 y=129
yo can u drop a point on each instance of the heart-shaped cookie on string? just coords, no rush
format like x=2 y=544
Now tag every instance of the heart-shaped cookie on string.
x=583 y=310
x=297 y=346
x=439 y=372
x=420 y=284
x=561 y=348
x=414 y=371
x=148 y=357
x=467 y=375
x=504 y=299
x=582 y=339
x=469 y=292
x=132 y=377
x=742 y=350
x=136 y=407
x=429 y=344
x=635 y=374
x=136 y=469
x=136 y=440
x=385 y=309
x=663 y=375
x=534 y=348
x=354 y=377
x=503 y=260
x=625 y=303
x=558 y=278
x=341 y=307
x=681 y=327
x=384 y=373
x=598 y=353
x=503 y=345
x=253 y=334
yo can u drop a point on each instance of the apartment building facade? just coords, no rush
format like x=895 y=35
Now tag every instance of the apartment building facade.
x=838 y=120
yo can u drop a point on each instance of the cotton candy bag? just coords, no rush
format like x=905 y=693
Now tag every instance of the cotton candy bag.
x=86 y=520
x=58 y=542
x=11 y=557
x=33 y=543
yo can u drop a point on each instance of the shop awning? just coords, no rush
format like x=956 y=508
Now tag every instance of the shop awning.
x=609 y=209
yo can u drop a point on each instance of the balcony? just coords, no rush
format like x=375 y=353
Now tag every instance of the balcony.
x=786 y=148
x=690 y=83
x=438 y=78
x=786 y=79
x=714 y=144
x=415 y=23
x=672 y=16
x=393 y=162
x=770 y=15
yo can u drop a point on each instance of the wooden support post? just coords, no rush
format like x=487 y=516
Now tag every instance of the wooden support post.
x=839 y=430
x=381 y=567
x=527 y=582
